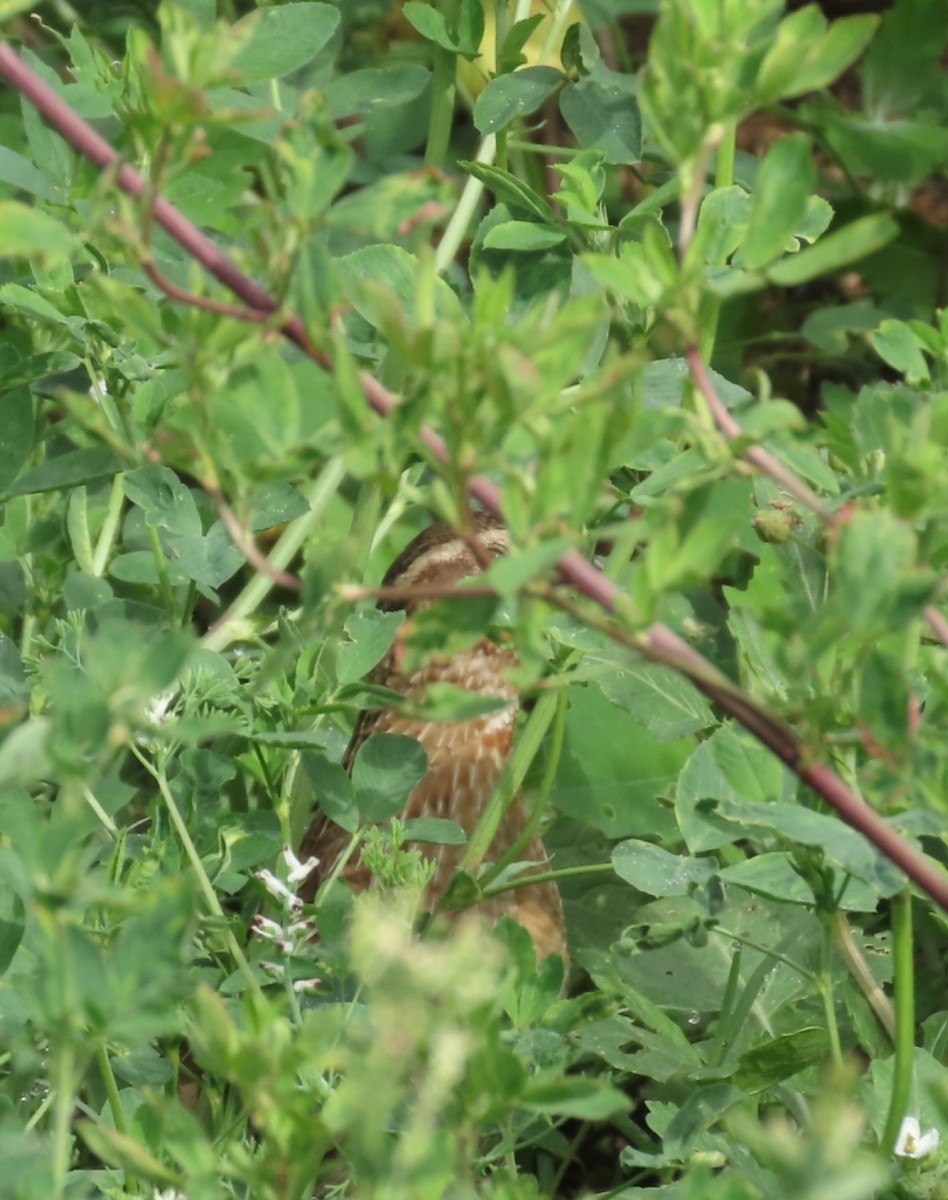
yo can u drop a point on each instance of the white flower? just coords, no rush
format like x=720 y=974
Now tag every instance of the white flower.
x=265 y=928
x=157 y=710
x=306 y=985
x=297 y=870
x=278 y=888
x=912 y=1143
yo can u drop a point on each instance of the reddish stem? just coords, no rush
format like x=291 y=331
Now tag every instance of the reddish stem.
x=657 y=642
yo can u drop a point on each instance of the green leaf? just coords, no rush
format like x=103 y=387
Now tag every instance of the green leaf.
x=380 y=209
x=14 y=689
x=283 y=39
x=397 y=272
x=22 y=300
x=24 y=754
x=730 y=765
x=902 y=71
x=613 y=773
x=333 y=790
x=771 y=1062
x=829 y=834
x=722 y=223
x=773 y=876
x=29 y=233
x=16 y=433
x=508 y=188
x=435 y=831
x=782 y=187
x=701 y=1109
x=512 y=571
x=904 y=151
x=12 y=928
x=664 y=384
x=165 y=501
x=512 y=55
x=516 y=95
x=837 y=249
x=471 y=22
x=376 y=88
x=898 y=345
x=430 y=23
x=817 y=217
x=37 y=367
x=656 y=872
x=386 y=768
x=604 y=115
x=583 y=1097
x=667 y=704
x=824 y=61
x=68 y=470
x=805 y=55
x=120 y=1150
x=523 y=236
x=20 y=173
x=371 y=635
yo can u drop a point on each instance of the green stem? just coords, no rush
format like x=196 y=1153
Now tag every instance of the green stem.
x=457 y=227
x=161 y=565
x=292 y=1000
x=107 y=823
x=327 y=885
x=77 y=522
x=733 y=1018
x=510 y=782
x=765 y=950
x=204 y=883
x=64 y=1084
x=319 y=494
x=549 y=877
x=719 y=1052
x=110 y=526
x=904 y=992
x=557 y=740
x=711 y=305
x=111 y=1088
x=724 y=169
x=859 y=970
x=824 y=985
x=40 y=1112
x=443 y=90
x=502 y=149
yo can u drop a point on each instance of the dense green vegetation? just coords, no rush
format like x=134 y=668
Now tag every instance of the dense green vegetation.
x=686 y=307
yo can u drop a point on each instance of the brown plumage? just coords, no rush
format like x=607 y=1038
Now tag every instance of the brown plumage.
x=465 y=758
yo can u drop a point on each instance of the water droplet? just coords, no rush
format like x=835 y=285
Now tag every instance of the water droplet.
x=693 y=1018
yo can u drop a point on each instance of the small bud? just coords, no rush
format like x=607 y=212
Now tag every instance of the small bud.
x=775 y=527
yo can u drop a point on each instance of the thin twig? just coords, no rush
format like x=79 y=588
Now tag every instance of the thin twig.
x=939 y=626
x=657 y=641
x=83 y=137
x=244 y=542
x=762 y=459
x=204 y=302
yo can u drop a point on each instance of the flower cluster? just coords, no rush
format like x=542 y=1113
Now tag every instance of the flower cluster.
x=291 y=935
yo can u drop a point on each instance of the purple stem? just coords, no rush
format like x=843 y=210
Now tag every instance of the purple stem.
x=657 y=642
